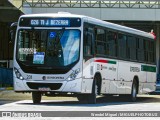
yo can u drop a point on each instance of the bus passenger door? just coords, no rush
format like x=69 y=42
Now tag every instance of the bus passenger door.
x=88 y=63
x=112 y=76
x=112 y=64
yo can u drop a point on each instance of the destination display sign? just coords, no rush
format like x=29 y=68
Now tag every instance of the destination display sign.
x=50 y=22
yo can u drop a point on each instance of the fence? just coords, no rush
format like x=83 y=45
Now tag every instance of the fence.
x=6 y=77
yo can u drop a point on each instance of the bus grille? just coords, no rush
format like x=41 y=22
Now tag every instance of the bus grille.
x=52 y=86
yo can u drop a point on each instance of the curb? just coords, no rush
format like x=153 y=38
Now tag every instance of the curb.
x=6 y=88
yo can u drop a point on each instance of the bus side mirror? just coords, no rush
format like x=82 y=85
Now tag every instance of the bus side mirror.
x=13 y=29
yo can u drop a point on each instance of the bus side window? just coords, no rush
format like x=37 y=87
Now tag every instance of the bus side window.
x=122 y=41
x=140 y=50
x=100 y=43
x=112 y=44
x=131 y=48
x=88 y=49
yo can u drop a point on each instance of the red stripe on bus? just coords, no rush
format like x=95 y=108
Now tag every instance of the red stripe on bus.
x=101 y=61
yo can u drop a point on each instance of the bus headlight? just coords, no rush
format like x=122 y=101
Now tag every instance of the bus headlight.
x=18 y=74
x=74 y=74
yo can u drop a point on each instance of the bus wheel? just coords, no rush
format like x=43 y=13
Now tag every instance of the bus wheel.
x=92 y=96
x=133 y=95
x=36 y=97
x=82 y=98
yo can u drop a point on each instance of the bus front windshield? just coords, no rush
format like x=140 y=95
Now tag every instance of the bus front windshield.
x=48 y=48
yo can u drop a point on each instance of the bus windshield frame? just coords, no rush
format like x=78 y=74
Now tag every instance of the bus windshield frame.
x=43 y=51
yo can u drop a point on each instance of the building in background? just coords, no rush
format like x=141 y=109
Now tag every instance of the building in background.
x=8 y=14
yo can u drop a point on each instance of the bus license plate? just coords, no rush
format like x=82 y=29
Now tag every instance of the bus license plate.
x=44 y=89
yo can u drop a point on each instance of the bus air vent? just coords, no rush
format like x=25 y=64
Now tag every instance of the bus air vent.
x=52 y=86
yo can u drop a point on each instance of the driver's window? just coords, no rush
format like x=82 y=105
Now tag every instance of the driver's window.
x=88 y=42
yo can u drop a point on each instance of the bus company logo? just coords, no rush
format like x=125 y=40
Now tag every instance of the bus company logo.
x=134 y=69
x=54 y=77
x=44 y=77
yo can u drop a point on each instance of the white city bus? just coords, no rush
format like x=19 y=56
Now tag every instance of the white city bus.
x=67 y=53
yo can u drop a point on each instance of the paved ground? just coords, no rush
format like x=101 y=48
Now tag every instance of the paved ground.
x=11 y=101
x=22 y=102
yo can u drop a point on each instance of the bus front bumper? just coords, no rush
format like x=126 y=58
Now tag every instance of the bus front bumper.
x=74 y=86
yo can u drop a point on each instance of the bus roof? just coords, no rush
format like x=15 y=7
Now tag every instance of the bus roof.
x=96 y=21
x=121 y=28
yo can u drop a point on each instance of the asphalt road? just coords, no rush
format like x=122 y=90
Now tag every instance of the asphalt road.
x=11 y=101
x=115 y=103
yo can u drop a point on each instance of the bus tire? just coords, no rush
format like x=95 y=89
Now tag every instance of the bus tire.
x=82 y=98
x=92 y=96
x=36 y=97
x=133 y=95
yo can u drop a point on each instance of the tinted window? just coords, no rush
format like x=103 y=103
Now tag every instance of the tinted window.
x=100 y=41
x=122 y=41
x=151 y=54
x=112 y=44
x=131 y=48
x=140 y=49
x=146 y=50
x=88 y=38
